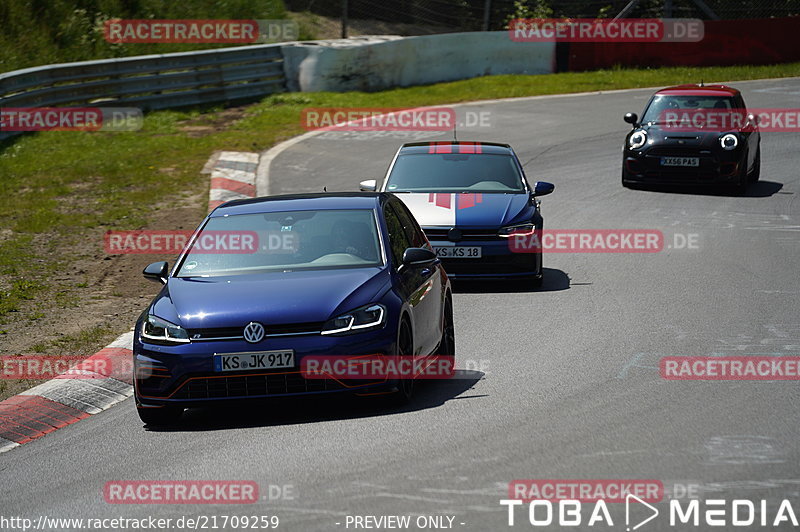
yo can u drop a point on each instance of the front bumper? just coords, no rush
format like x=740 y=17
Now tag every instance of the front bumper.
x=184 y=375
x=497 y=261
x=715 y=166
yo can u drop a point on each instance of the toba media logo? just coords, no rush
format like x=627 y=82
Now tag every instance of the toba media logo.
x=574 y=503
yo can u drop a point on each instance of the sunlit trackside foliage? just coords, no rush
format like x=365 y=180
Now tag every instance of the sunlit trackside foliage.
x=40 y=32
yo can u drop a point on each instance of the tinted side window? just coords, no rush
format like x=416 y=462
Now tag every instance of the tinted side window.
x=398 y=240
x=412 y=229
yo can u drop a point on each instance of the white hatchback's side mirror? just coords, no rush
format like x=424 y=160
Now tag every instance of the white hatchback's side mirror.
x=370 y=185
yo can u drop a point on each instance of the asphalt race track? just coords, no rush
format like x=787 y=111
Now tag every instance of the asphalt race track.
x=556 y=383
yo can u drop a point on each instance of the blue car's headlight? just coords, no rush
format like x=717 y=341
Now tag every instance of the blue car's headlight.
x=162 y=331
x=362 y=319
x=519 y=229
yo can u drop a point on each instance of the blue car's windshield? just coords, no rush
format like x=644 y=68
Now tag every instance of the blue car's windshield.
x=284 y=241
x=455 y=172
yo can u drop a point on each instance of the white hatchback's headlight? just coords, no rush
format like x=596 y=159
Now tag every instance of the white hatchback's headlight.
x=637 y=139
x=159 y=330
x=519 y=229
x=359 y=320
x=729 y=141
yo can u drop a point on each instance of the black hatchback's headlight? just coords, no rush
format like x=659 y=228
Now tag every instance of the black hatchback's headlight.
x=729 y=141
x=359 y=320
x=637 y=139
x=163 y=332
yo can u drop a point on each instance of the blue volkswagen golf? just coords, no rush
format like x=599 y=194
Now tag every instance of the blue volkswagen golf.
x=266 y=283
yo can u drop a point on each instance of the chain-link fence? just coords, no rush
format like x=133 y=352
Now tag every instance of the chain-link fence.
x=414 y=17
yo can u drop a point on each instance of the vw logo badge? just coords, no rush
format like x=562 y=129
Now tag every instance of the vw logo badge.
x=254 y=332
x=454 y=234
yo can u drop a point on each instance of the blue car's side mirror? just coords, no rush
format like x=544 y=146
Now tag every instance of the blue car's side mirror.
x=418 y=257
x=157 y=271
x=543 y=188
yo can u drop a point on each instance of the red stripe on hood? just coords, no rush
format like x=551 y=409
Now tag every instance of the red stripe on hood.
x=465 y=201
x=440 y=200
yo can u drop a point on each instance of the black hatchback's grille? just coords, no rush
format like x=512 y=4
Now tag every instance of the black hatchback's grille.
x=228 y=333
x=252 y=386
x=678 y=151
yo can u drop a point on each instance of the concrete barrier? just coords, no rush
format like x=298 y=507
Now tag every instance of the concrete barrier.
x=377 y=63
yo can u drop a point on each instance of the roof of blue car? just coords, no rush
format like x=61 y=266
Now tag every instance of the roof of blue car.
x=290 y=202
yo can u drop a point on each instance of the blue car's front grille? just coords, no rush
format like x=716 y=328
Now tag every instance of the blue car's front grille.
x=236 y=333
x=440 y=233
x=252 y=386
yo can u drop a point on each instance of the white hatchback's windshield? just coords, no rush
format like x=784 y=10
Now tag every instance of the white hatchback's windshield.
x=284 y=241
x=455 y=172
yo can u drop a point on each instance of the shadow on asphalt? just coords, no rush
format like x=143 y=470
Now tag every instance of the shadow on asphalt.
x=311 y=409
x=554 y=280
x=759 y=189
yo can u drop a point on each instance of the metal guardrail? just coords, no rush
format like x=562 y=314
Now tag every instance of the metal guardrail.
x=149 y=82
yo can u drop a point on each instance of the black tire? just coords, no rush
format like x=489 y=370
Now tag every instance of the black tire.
x=447 y=346
x=538 y=281
x=405 y=386
x=756 y=173
x=740 y=187
x=166 y=415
